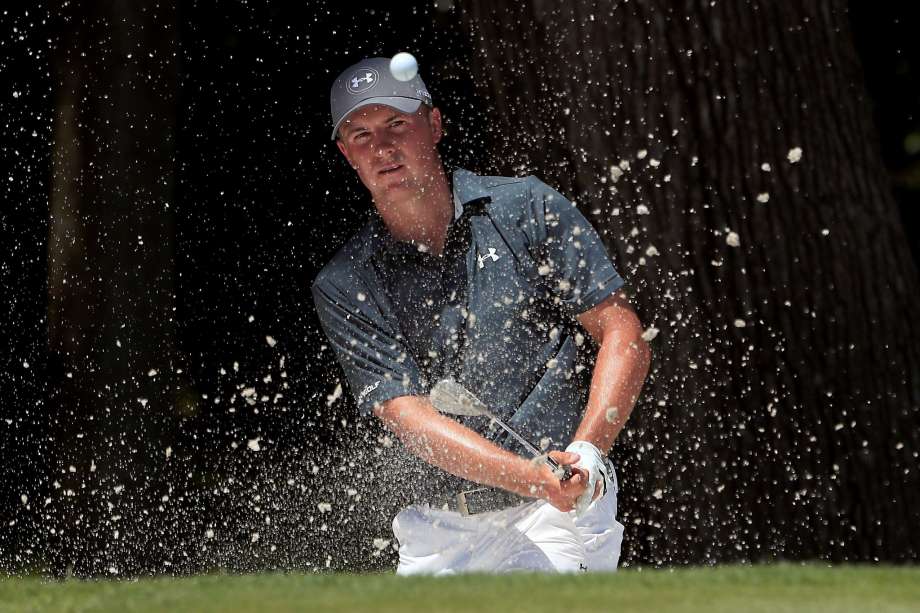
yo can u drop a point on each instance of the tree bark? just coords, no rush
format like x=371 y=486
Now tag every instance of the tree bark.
x=780 y=419
x=110 y=260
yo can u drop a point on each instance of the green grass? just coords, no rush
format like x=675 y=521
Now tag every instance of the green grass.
x=771 y=589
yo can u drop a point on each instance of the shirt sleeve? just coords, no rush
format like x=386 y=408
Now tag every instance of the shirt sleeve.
x=370 y=351
x=568 y=251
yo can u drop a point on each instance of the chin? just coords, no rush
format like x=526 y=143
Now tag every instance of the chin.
x=393 y=183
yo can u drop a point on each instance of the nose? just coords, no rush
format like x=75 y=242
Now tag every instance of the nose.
x=384 y=146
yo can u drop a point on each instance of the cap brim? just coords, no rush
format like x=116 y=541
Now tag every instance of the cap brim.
x=405 y=105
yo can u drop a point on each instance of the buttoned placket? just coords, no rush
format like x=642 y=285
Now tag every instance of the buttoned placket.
x=451 y=271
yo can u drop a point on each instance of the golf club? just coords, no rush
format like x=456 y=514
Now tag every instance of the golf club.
x=449 y=396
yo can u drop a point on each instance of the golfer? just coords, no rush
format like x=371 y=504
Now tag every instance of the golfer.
x=501 y=284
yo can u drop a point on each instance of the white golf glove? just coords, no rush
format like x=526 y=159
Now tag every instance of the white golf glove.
x=592 y=461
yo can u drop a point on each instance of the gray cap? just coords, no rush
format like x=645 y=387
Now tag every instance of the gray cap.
x=371 y=82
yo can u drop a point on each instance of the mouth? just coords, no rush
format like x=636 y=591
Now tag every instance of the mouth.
x=390 y=169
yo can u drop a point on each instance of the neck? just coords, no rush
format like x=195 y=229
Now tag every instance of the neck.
x=421 y=217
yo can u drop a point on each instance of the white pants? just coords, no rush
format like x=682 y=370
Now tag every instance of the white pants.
x=533 y=537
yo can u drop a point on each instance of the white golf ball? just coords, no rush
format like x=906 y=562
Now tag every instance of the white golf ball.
x=403 y=66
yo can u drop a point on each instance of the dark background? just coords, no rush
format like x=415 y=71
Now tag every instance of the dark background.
x=261 y=201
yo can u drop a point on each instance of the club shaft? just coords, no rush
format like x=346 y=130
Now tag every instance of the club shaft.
x=523 y=441
x=564 y=472
x=450 y=399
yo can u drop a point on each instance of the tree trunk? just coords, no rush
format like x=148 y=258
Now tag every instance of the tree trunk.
x=780 y=418
x=110 y=260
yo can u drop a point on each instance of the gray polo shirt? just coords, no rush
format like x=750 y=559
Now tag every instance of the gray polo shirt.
x=496 y=310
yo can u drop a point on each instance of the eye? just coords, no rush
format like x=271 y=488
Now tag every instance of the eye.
x=397 y=123
x=360 y=136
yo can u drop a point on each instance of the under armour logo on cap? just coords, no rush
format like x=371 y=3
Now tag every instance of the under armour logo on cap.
x=369 y=82
x=362 y=80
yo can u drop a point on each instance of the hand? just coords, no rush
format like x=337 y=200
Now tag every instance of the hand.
x=562 y=494
x=592 y=461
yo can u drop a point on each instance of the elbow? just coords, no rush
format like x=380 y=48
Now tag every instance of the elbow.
x=631 y=344
x=403 y=413
x=641 y=347
x=643 y=354
x=390 y=413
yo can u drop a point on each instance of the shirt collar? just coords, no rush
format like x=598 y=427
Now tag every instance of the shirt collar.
x=467 y=187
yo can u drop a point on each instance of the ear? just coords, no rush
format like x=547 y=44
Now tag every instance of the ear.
x=344 y=150
x=434 y=122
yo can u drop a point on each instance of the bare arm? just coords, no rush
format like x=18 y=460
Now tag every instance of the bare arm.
x=620 y=369
x=453 y=447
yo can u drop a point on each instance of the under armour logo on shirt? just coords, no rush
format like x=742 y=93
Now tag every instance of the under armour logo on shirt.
x=491 y=254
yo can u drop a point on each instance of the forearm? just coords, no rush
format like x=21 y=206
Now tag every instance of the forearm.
x=619 y=372
x=453 y=447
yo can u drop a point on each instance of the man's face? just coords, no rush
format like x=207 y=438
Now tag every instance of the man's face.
x=394 y=153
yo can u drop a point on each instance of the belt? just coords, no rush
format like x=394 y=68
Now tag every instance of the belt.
x=482 y=500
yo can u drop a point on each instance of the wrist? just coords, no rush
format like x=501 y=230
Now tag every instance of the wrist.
x=585 y=449
x=535 y=480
